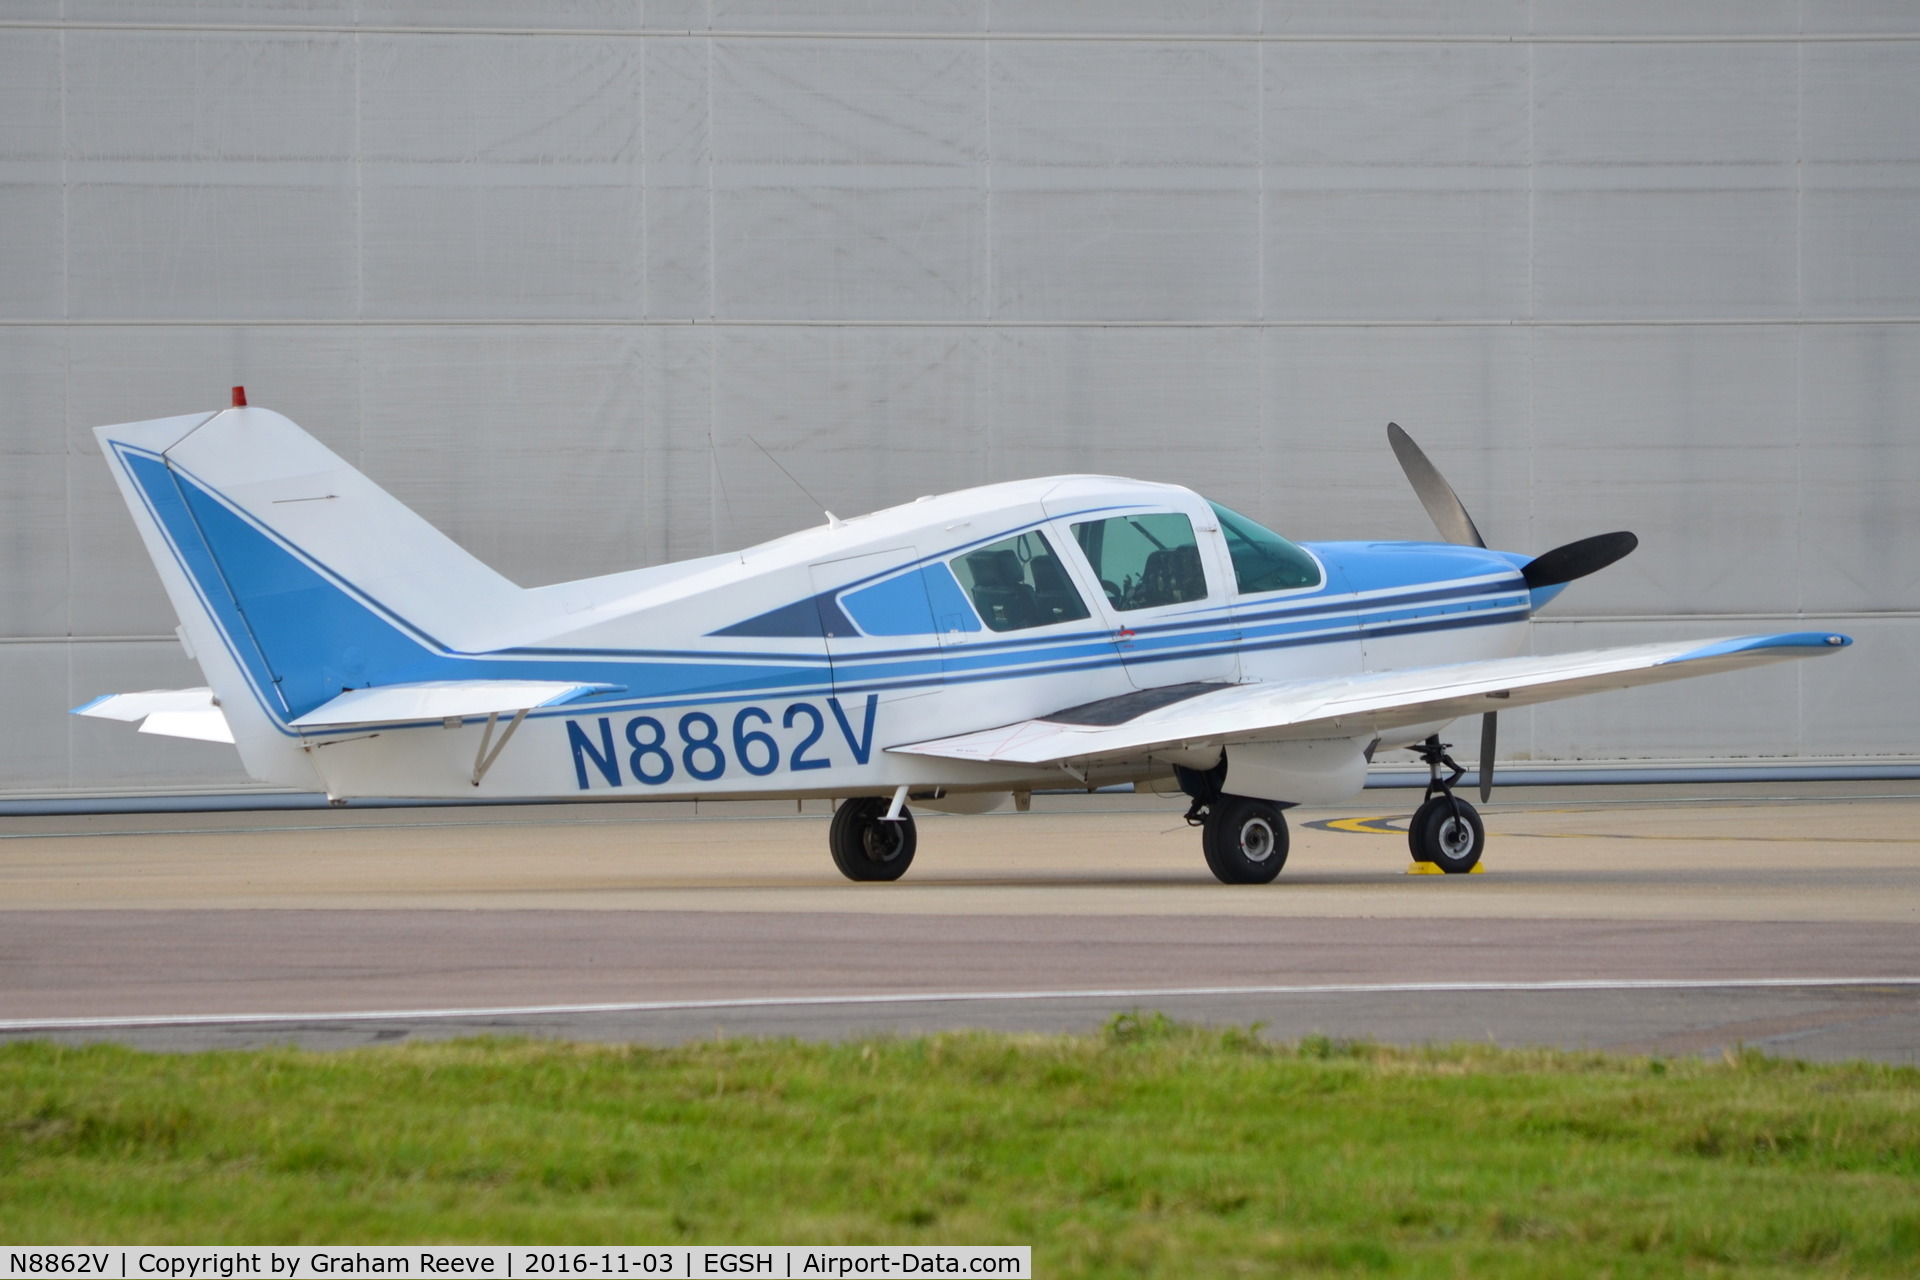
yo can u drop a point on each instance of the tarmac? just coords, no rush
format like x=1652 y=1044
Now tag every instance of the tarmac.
x=1666 y=920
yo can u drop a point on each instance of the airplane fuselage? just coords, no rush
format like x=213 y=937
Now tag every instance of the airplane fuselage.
x=789 y=669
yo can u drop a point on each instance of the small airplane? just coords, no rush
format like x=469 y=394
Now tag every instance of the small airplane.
x=951 y=653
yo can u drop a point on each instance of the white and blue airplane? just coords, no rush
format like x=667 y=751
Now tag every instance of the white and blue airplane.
x=951 y=653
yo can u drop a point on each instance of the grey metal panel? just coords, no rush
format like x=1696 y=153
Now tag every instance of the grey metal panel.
x=1398 y=17
x=32 y=281
x=677 y=189
x=896 y=108
x=858 y=193
x=1179 y=405
x=514 y=218
x=208 y=96
x=1862 y=199
x=1396 y=254
x=1858 y=15
x=1171 y=17
x=1665 y=104
x=262 y=13
x=211 y=249
x=33 y=544
x=1124 y=255
x=1396 y=180
x=1854 y=95
x=1665 y=180
x=1664 y=254
x=1125 y=180
x=1088 y=108
x=1667 y=17
x=29 y=95
x=34 y=753
x=1859 y=493
x=209 y=174
x=1686 y=436
x=1396 y=111
x=834 y=15
x=563 y=14
x=33 y=369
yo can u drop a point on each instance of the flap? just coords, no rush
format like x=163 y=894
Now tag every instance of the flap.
x=443 y=699
x=1375 y=703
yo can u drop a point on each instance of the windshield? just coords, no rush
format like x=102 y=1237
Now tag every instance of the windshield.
x=1262 y=559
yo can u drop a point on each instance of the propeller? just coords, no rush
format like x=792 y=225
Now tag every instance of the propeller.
x=1549 y=569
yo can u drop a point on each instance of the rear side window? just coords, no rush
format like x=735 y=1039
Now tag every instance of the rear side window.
x=1018 y=583
x=1262 y=559
x=1144 y=561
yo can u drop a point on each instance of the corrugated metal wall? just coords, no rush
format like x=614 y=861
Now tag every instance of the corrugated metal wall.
x=1646 y=264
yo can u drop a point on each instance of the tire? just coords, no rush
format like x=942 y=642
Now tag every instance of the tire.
x=1452 y=843
x=866 y=848
x=1245 y=840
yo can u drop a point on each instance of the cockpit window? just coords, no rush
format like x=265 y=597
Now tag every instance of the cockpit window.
x=1018 y=583
x=1144 y=561
x=1262 y=559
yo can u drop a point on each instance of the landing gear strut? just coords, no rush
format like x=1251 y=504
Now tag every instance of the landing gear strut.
x=1445 y=829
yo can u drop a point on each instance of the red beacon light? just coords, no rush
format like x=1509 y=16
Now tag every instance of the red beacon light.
x=239 y=397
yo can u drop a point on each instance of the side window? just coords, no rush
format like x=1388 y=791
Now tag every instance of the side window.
x=1144 y=561
x=1262 y=559
x=1018 y=583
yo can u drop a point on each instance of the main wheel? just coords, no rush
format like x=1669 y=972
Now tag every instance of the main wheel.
x=1245 y=840
x=1446 y=831
x=867 y=848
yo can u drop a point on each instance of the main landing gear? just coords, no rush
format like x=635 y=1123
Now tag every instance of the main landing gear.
x=865 y=845
x=1244 y=839
x=1445 y=830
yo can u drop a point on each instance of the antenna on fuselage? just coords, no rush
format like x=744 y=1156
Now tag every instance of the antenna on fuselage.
x=833 y=521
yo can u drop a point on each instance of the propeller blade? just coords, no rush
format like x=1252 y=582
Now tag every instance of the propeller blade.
x=1489 y=729
x=1578 y=559
x=1443 y=505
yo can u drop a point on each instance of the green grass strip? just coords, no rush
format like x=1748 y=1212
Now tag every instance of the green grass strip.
x=1150 y=1149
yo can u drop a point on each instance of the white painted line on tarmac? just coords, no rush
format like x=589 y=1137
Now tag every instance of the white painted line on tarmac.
x=941 y=997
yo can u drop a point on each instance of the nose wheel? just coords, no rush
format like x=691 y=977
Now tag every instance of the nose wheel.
x=1445 y=830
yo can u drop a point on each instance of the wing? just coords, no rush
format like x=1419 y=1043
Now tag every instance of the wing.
x=1374 y=704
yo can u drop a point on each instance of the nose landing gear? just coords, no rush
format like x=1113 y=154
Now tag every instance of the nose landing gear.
x=1445 y=830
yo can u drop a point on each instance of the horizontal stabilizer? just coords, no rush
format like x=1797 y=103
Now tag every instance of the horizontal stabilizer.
x=172 y=713
x=443 y=700
x=1376 y=703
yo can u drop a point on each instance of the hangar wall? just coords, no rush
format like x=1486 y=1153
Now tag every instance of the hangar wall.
x=556 y=273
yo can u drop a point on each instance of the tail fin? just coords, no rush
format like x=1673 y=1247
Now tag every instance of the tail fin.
x=294 y=576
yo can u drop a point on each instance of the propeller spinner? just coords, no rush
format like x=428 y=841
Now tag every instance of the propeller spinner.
x=1549 y=569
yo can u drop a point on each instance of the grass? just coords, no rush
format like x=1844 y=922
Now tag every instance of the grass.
x=1150 y=1149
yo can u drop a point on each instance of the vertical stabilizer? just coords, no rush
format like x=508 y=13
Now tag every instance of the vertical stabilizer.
x=294 y=576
